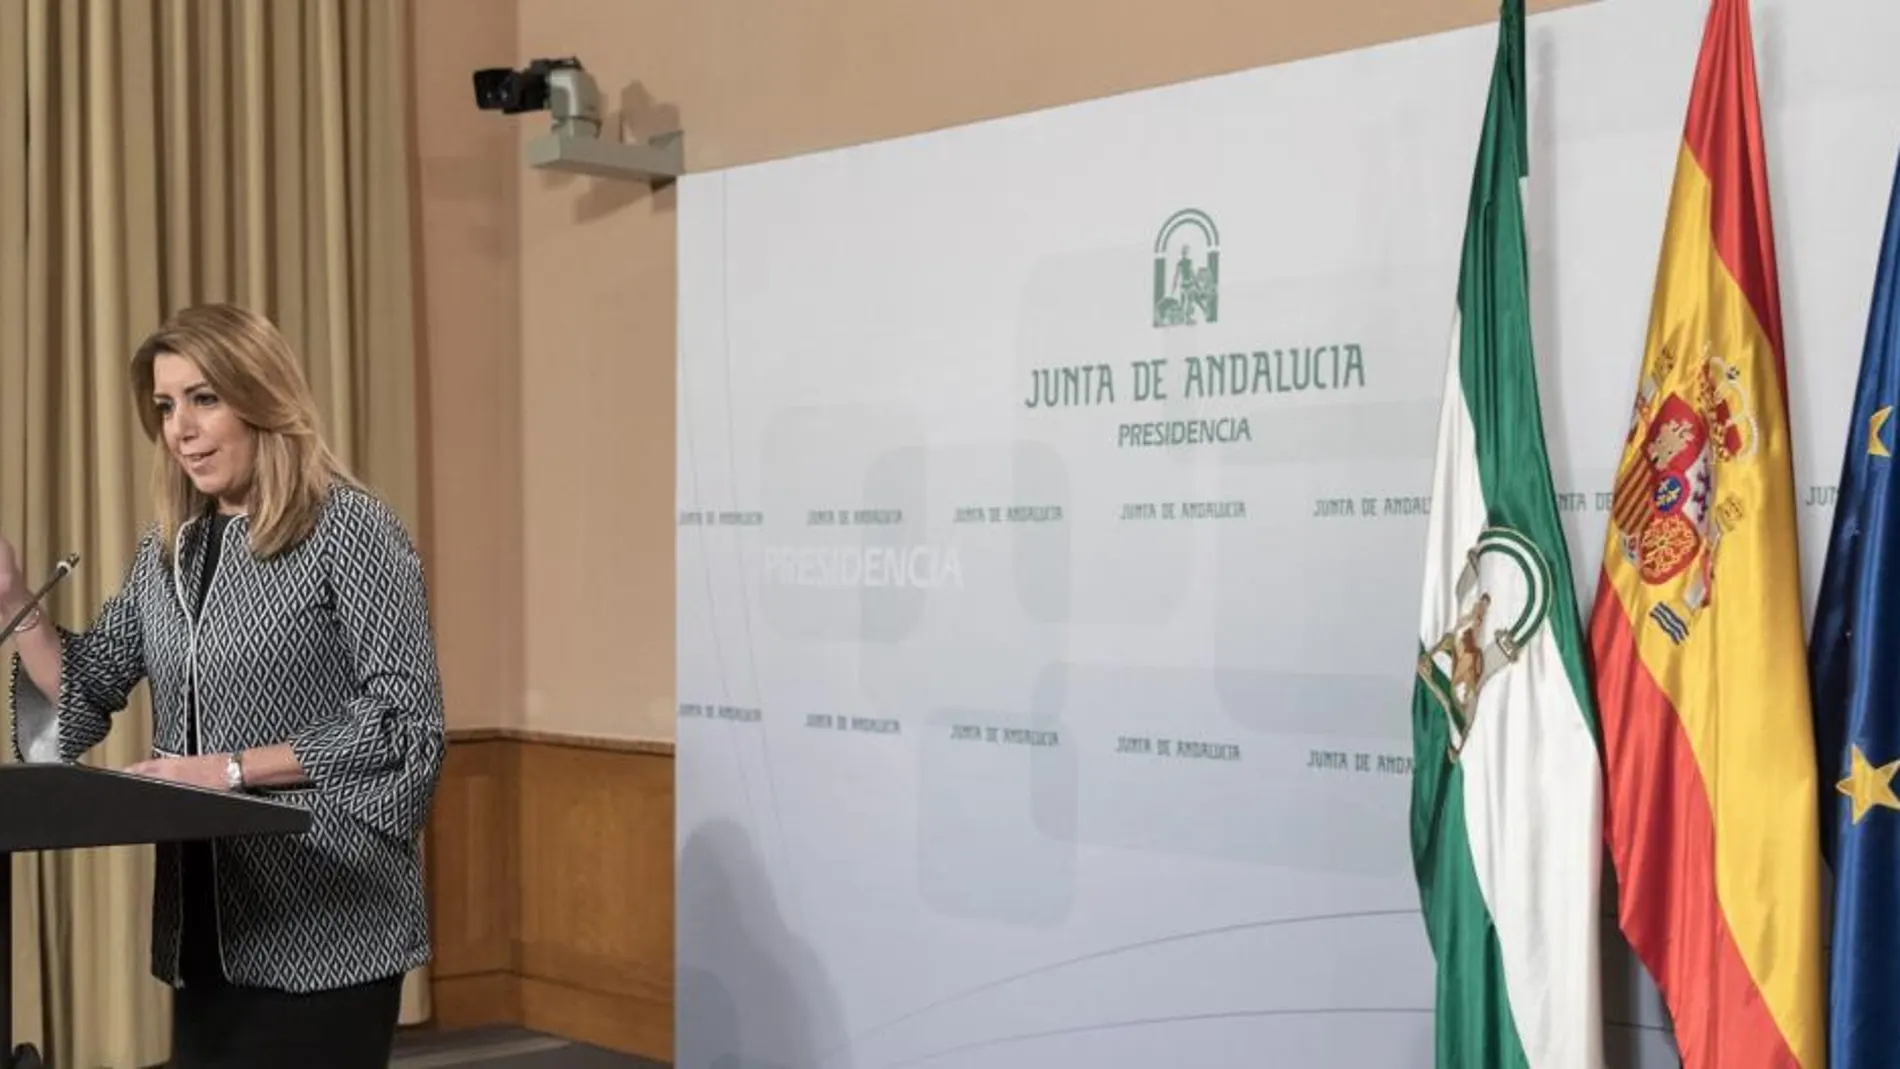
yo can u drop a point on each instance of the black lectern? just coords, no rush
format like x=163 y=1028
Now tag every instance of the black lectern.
x=67 y=807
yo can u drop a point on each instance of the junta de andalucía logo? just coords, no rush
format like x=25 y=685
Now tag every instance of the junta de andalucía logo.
x=1187 y=270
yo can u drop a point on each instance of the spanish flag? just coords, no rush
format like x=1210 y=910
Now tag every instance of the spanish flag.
x=1711 y=793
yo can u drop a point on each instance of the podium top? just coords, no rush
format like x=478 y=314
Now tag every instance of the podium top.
x=67 y=807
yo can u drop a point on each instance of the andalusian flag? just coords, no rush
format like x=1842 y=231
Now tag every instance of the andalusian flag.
x=1507 y=832
x=1701 y=669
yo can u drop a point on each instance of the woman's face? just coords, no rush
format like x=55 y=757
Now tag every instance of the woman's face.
x=207 y=439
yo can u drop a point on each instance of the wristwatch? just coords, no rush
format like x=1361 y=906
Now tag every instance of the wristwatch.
x=233 y=772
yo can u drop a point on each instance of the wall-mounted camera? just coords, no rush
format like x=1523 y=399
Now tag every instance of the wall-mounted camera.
x=561 y=87
x=564 y=89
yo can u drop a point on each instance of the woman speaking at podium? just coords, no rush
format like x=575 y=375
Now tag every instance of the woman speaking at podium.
x=277 y=609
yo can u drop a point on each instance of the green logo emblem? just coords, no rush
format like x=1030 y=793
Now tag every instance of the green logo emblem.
x=1503 y=597
x=1187 y=270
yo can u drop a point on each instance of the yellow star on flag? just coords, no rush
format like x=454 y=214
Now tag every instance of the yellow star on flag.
x=1869 y=786
x=1876 y=447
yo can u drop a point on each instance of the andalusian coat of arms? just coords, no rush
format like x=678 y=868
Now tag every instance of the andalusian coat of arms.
x=1503 y=597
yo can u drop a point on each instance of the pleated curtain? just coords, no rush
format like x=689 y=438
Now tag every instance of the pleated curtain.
x=156 y=154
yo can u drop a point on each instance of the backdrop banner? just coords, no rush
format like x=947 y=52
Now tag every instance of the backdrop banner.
x=1051 y=526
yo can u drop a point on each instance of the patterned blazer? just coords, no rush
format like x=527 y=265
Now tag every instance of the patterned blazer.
x=327 y=647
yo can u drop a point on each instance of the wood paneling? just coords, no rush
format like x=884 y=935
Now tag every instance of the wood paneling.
x=551 y=869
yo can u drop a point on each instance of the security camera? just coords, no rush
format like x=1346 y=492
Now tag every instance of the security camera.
x=561 y=87
x=564 y=89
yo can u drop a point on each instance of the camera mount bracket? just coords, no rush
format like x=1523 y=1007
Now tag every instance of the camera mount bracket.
x=656 y=159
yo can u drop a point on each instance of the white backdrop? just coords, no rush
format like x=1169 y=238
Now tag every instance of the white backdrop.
x=1017 y=735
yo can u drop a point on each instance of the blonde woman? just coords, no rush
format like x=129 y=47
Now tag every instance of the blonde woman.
x=277 y=610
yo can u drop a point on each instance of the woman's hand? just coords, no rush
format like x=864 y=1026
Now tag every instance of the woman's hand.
x=206 y=771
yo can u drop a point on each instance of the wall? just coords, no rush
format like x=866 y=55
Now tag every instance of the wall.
x=468 y=192
x=553 y=411
x=549 y=313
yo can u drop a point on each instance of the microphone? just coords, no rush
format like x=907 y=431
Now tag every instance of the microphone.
x=60 y=571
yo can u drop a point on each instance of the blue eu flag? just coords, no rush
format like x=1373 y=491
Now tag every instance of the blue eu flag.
x=1855 y=661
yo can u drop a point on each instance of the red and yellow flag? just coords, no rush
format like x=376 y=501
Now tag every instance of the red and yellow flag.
x=1701 y=669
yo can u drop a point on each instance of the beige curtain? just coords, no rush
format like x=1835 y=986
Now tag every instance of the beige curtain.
x=154 y=154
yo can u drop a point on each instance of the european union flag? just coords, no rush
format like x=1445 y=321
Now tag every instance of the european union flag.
x=1854 y=657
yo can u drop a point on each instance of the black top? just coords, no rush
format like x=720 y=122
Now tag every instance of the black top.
x=199 y=965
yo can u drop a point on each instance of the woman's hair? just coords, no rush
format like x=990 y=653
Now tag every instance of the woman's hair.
x=250 y=366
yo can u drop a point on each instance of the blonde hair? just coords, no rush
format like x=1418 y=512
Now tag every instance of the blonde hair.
x=254 y=371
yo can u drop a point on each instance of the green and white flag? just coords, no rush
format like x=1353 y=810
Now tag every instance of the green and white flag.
x=1507 y=798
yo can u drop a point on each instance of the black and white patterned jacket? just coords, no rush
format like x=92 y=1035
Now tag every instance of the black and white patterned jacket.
x=327 y=647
